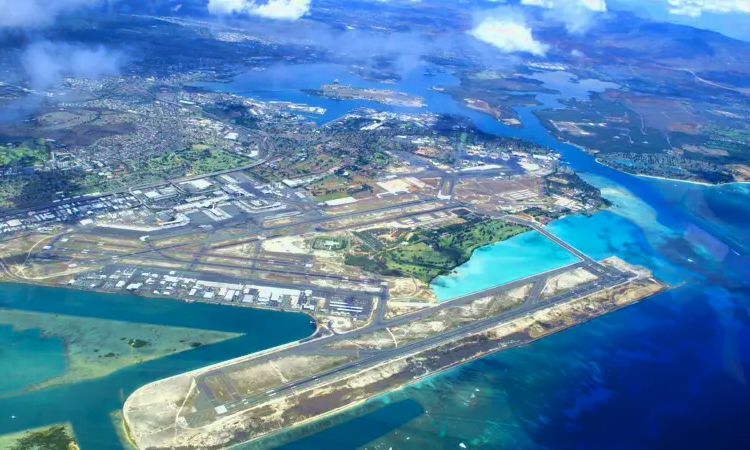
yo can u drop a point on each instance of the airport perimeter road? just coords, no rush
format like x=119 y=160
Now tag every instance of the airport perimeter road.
x=415 y=347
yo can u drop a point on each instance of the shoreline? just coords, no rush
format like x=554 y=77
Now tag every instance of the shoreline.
x=161 y=297
x=529 y=338
x=595 y=154
x=34 y=387
x=436 y=373
x=676 y=180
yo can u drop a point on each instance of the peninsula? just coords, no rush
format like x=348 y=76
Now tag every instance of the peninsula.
x=349 y=222
x=254 y=396
x=338 y=91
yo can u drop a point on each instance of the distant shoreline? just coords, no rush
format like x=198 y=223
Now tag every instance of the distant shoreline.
x=700 y=183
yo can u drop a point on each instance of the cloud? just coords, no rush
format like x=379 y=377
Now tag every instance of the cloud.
x=46 y=63
x=578 y=16
x=270 y=9
x=505 y=28
x=695 y=8
x=591 y=5
x=37 y=13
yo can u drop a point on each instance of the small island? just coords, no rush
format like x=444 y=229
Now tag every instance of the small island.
x=55 y=437
x=336 y=91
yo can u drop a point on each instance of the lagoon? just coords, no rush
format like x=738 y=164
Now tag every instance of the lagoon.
x=28 y=357
x=668 y=372
x=521 y=256
x=88 y=404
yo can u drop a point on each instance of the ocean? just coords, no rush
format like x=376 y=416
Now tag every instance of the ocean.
x=668 y=372
x=28 y=356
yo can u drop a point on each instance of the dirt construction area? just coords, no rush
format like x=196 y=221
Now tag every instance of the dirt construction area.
x=443 y=320
x=566 y=281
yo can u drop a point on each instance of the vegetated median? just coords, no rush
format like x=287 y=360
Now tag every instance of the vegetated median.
x=427 y=254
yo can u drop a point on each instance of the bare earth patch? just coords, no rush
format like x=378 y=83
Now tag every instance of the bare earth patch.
x=566 y=281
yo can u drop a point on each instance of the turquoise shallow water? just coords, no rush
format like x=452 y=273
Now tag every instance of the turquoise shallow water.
x=669 y=372
x=27 y=357
x=518 y=257
x=87 y=404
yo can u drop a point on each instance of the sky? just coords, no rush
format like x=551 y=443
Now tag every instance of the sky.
x=729 y=17
x=505 y=27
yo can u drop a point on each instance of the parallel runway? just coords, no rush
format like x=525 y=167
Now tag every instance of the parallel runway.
x=371 y=357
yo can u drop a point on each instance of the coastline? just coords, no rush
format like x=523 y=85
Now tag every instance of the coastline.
x=56 y=380
x=501 y=342
x=676 y=180
x=441 y=371
x=102 y=291
x=553 y=132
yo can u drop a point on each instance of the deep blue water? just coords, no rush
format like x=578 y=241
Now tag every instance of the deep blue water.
x=669 y=372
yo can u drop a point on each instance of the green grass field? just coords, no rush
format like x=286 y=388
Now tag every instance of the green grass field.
x=427 y=254
x=330 y=243
x=22 y=156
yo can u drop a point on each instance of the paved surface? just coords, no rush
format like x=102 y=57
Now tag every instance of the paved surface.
x=310 y=217
x=371 y=357
x=536 y=290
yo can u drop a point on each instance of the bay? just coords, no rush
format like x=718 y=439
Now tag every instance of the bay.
x=521 y=256
x=668 y=372
x=88 y=404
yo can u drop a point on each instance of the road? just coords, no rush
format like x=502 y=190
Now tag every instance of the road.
x=280 y=271
x=554 y=239
x=333 y=218
x=266 y=148
x=367 y=358
x=374 y=357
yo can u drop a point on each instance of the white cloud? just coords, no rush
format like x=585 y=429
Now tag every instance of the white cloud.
x=47 y=63
x=506 y=29
x=577 y=15
x=36 y=13
x=590 y=5
x=695 y=8
x=270 y=9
